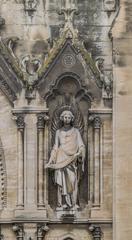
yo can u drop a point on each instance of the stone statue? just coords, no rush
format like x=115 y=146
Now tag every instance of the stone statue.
x=67 y=156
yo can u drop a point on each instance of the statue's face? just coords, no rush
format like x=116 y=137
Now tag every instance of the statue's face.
x=67 y=118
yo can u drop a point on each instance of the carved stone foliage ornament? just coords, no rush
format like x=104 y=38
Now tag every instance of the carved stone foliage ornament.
x=20 y=122
x=18 y=229
x=96 y=232
x=30 y=67
x=106 y=78
x=41 y=120
x=9 y=69
x=42 y=229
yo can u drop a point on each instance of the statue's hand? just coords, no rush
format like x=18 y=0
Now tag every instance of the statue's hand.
x=48 y=164
x=76 y=155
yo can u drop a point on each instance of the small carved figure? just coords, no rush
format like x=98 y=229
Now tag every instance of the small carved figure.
x=67 y=155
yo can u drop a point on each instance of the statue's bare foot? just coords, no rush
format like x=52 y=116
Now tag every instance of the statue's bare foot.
x=65 y=206
x=59 y=205
x=76 y=207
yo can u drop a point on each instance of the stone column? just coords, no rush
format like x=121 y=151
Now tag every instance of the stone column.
x=42 y=152
x=97 y=126
x=31 y=158
x=40 y=145
x=20 y=159
x=41 y=231
x=18 y=229
x=46 y=150
x=30 y=162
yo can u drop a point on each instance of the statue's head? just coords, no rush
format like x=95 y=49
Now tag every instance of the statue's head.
x=67 y=117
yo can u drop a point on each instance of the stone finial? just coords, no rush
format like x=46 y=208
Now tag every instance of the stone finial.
x=69 y=9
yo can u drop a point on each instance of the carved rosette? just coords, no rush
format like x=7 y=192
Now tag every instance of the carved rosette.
x=96 y=232
x=41 y=231
x=18 y=229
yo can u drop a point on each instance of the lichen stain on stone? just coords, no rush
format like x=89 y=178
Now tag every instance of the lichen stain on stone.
x=122 y=93
x=40 y=47
x=128 y=6
x=121 y=62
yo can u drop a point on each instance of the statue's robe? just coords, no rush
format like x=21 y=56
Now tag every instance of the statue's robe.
x=67 y=144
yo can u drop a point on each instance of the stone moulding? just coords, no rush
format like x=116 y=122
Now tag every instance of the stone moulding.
x=10 y=73
x=77 y=48
x=3 y=178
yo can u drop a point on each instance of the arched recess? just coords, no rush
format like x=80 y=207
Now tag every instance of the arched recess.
x=3 y=178
x=69 y=90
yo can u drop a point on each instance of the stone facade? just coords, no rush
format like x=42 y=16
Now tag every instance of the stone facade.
x=56 y=56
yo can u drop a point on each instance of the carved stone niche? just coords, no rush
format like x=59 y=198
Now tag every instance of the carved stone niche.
x=70 y=82
x=69 y=96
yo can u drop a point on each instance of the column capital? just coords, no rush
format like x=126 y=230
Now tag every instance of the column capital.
x=41 y=119
x=18 y=229
x=97 y=122
x=96 y=232
x=42 y=229
x=19 y=118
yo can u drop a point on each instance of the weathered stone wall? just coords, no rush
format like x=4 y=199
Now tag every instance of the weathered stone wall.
x=94 y=24
x=122 y=130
